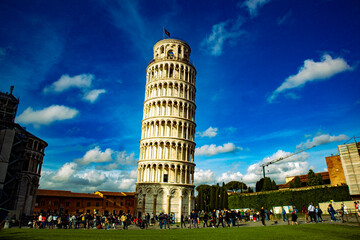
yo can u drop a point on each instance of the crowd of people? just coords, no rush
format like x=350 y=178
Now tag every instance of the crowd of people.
x=216 y=218
x=76 y=221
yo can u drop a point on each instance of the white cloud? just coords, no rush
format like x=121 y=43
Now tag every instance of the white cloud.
x=84 y=178
x=283 y=19
x=47 y=115
x=116 y=159
x=322 y=139
x=228 y=31
x=292 y=96
x=66 y=82
x=125 y=159
x=295 y=165
x=204 y=176
x=292 y=166
x=254 y=5
x=93 y=95
x=312 y=71
x=230 y=176
x=95 y=155
x=66 y=171
x=210 y=132
x=211 y=150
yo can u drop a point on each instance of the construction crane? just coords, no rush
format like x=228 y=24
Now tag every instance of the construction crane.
x=282 y=158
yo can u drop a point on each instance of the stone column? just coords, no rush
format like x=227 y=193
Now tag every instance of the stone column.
x=154 y=205
x=181 y=174
x=168 y=203
x=175 y=174
x=180 y=206
x=182 y=152
x=186 y=174
x=139 y=172
x=143 y=205
x=136 y=204
x=189 y=210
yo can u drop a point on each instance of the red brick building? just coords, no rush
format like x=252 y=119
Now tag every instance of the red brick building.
x=304 y=179
x=336 y=171
x=67 y=202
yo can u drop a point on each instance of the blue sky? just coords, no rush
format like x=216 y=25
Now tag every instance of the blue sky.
x=273 y=77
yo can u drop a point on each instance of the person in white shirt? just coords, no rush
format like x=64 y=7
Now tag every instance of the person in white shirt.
x=311 y=210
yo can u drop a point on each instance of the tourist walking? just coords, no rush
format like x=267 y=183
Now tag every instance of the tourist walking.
x=318 y=213
x=205 y=219
x=221 y=220
x=294 y=216
x=311 y=210
x=166 y=221
x=331 y=211
x=284 y=214
x=213 y=218
x=182 y=221
x=194 y=218
x=123 y=220
x=304 y=212
x=161 y=220
x=262 y=215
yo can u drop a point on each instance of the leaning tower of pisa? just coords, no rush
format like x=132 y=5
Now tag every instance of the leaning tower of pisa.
x=166 y=165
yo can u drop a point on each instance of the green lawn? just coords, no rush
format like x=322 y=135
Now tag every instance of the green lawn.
x=305 y=231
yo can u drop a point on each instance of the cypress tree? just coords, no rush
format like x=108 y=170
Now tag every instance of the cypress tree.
x=217 y=196
x=297 y=182
x=212 y=197
x=319 y=179
x=311 y=178
x=221 y=204
x=201 y=200
x=259 y=185
x=267 y=184
x=273 y=185
x=225 y=200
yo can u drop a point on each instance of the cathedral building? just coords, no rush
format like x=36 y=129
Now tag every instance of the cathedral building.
x=166 y=165
x=21 y=158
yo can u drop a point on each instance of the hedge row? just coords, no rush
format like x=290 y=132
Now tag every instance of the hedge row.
x=296 y=198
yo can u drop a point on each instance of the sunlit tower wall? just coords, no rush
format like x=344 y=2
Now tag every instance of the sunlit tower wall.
x=166 y=165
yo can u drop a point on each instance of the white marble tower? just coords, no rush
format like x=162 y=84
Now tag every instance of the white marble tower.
x=166 y=166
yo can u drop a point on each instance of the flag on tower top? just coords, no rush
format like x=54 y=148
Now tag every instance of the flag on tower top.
x=166 y=32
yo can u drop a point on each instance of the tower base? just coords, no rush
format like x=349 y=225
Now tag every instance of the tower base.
x=154 y=198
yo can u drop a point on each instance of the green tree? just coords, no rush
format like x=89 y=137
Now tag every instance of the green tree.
x=217 y=195
x=225 y=200
x=200 y=201
x=235 y=186
x=291 y=185
x=250 y=190
x=311 y=178
x=267 y=184
x=319 y=179
x=297 y=182
x=221 y=203
x=212 y=197
x=273 y=185
x=259 y=185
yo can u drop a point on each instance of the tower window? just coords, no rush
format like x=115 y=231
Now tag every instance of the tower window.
x=170 y=54
x=165 y=178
